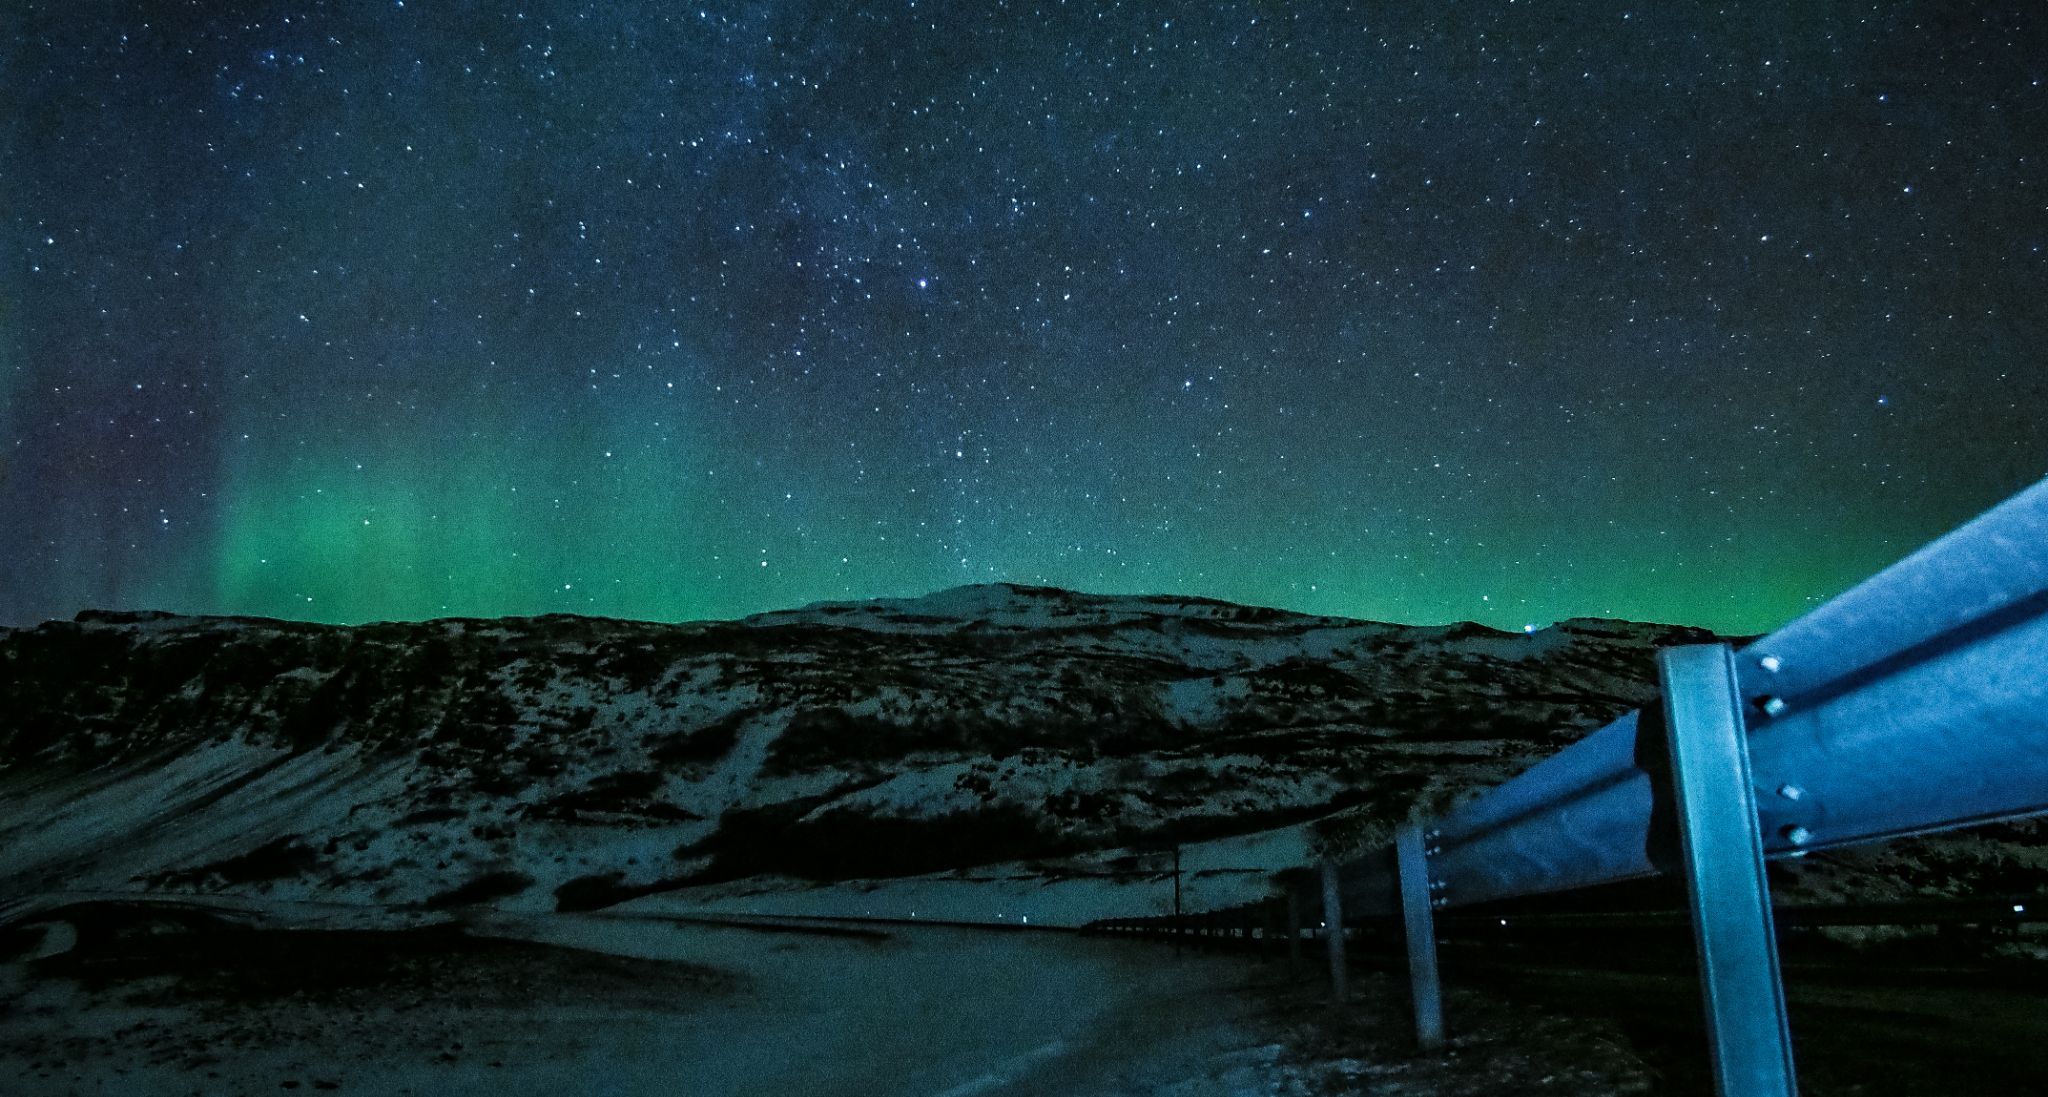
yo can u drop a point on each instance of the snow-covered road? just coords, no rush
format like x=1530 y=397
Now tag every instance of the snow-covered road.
x=924 y=1012
x=917 y=1012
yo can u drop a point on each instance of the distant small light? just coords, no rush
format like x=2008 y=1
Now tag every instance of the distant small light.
x=1503 y=921
x=2019 y=908
x=923 y=283
x=1528 y=628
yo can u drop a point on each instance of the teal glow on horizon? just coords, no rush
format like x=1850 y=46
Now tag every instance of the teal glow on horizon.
x=487 y=535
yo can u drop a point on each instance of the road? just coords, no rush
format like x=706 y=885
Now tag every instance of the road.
x=768 y=1010
x=930 y=1012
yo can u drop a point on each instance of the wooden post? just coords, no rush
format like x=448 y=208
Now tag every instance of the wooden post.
x=1293 y=932
x=1179 y=922
x=1333 y=933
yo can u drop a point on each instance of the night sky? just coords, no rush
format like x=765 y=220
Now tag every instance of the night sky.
x=1512 y=312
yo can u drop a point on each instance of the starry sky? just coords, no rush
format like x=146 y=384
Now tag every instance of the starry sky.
x=1424 y=312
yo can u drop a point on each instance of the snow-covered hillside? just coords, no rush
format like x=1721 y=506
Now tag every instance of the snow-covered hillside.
x=573 y=763
x=569 y=761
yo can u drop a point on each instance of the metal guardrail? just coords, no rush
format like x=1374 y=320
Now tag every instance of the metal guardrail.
x=1915 y=702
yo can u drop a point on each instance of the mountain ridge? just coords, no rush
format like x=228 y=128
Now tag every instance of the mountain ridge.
x=944 y=595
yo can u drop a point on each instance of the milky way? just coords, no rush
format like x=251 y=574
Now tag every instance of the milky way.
x=351 y=311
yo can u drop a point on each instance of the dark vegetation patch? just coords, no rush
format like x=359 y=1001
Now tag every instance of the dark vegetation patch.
x=819 y=738
x=603 y=889
x=614 y=798
x=844 y=843
x=273 y=860
x=699 y=746
x=429 y=815
x=1085 y=807
x=46 y=687
x=16 y=940
x=637 y=666
x=1184 y=786
x=1227 y=612
x=491 y=885
x=1311 y=677
x=1191 y=828
x=1422 y=716
x=594 y=891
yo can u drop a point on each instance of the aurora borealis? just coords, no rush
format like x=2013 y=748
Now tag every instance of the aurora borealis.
x=350 y=311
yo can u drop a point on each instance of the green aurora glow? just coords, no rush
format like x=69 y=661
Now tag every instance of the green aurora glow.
x=669 y=313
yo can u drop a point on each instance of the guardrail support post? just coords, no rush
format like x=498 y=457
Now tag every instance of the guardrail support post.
x=1293 y=932
x=1333 y=933
x=1418 y=922
x=1724 y=867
